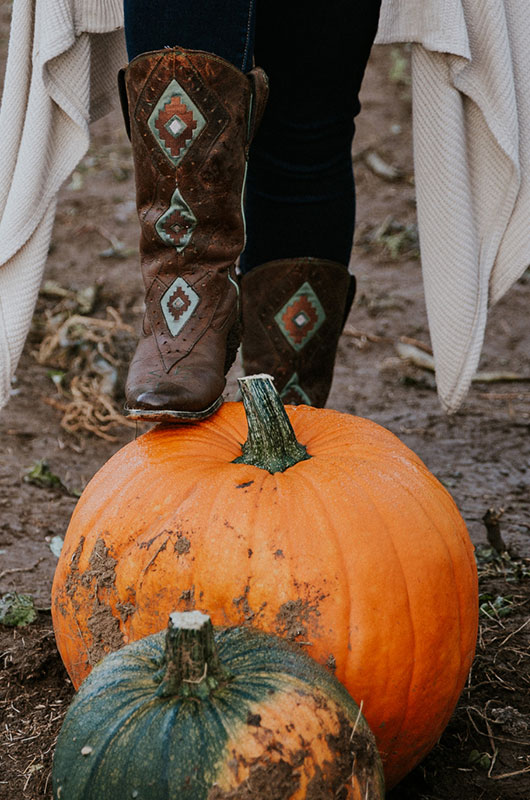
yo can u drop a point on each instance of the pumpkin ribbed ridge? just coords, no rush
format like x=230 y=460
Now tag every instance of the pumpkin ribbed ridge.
x=407 y=645
x=343 y=609
x=402 y=743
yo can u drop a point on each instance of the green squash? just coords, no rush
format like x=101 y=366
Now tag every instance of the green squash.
x=193 y=714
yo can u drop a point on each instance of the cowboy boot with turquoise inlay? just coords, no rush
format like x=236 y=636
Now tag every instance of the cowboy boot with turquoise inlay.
x=191 y=118
x=293 y=313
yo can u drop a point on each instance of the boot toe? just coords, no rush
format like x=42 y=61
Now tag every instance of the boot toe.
x=172 y=402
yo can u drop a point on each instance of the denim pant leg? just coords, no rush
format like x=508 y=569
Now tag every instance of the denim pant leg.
x=300 y=189
x=223 y=27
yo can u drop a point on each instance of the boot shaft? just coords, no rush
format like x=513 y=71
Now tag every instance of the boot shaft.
x=293 y=313
x=191 y=120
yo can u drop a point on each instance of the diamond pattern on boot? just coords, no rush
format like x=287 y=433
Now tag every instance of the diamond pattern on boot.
x=293 y=393
x=178 y=303
x=175 y=122
x=176 y=225
x=301 y=317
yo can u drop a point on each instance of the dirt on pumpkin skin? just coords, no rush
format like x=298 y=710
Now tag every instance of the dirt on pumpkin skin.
x=293 y=616
x=105 y=631
x=354 y=752
x=104 y=628
x=279 y=779
x=481 y=454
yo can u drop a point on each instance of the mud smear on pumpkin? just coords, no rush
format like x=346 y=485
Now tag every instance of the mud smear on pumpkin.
x=125 y=610
x=182 y=545
x=277 y=780
x=352 y=761
x=295 y=616
x=244 y=607
x=364 y=765
x=355 y=758
x=100 y=575
x=70 y=584
x=331 y=662
x=101 y=567
x=187 y=597
x=105 y=628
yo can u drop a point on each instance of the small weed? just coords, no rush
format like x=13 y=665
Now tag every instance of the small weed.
x=17 y=610
x=509 y=567
x=495 y=607
x=482 y=760
x=41 y=475
x=395 y=238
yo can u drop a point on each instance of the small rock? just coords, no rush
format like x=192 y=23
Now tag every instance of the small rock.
x=511 y=720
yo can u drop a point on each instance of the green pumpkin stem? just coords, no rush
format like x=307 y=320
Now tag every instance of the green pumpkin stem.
x=271 y=443
x=191 y=666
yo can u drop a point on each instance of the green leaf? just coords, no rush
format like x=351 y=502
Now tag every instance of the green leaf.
x=41 y=475
x=498 y=606
x=482 y=760
x=17 y=609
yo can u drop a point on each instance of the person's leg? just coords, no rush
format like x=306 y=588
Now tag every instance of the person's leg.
x=191 y=114
x=300 y=204
x=300 y=189
x=215 y=26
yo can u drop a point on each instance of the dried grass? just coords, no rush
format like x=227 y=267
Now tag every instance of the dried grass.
x=89 y=410
x=90 y=352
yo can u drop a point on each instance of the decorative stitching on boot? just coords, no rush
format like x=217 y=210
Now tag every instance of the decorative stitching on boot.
x=301 y=317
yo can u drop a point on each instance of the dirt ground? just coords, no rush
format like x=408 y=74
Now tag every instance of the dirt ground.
x=62 y=424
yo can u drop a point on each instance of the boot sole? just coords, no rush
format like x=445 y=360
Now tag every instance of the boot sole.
x=165 y=415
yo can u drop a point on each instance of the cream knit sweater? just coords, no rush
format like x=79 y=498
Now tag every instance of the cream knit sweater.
x=471 y=95
x=471 y=124
x=61 y=70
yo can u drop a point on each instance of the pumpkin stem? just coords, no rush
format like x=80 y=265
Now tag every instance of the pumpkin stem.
x=191 y=666
x=271 y=443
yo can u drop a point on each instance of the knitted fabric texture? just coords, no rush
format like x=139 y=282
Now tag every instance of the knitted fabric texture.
x=61 y=70
x=471 y=128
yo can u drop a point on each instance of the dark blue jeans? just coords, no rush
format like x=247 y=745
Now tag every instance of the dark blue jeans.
x=300 y=198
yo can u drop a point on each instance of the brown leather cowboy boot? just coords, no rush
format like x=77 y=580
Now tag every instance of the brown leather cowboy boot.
x=294 y=311
x=191 y=117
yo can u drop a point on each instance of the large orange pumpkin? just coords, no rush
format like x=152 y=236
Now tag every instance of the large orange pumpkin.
x=356 y=552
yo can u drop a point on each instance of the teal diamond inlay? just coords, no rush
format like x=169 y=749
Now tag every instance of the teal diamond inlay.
x=293 y=385
x=301 y=317
x=175 y=122
x=176 y=225
x=178 y=303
